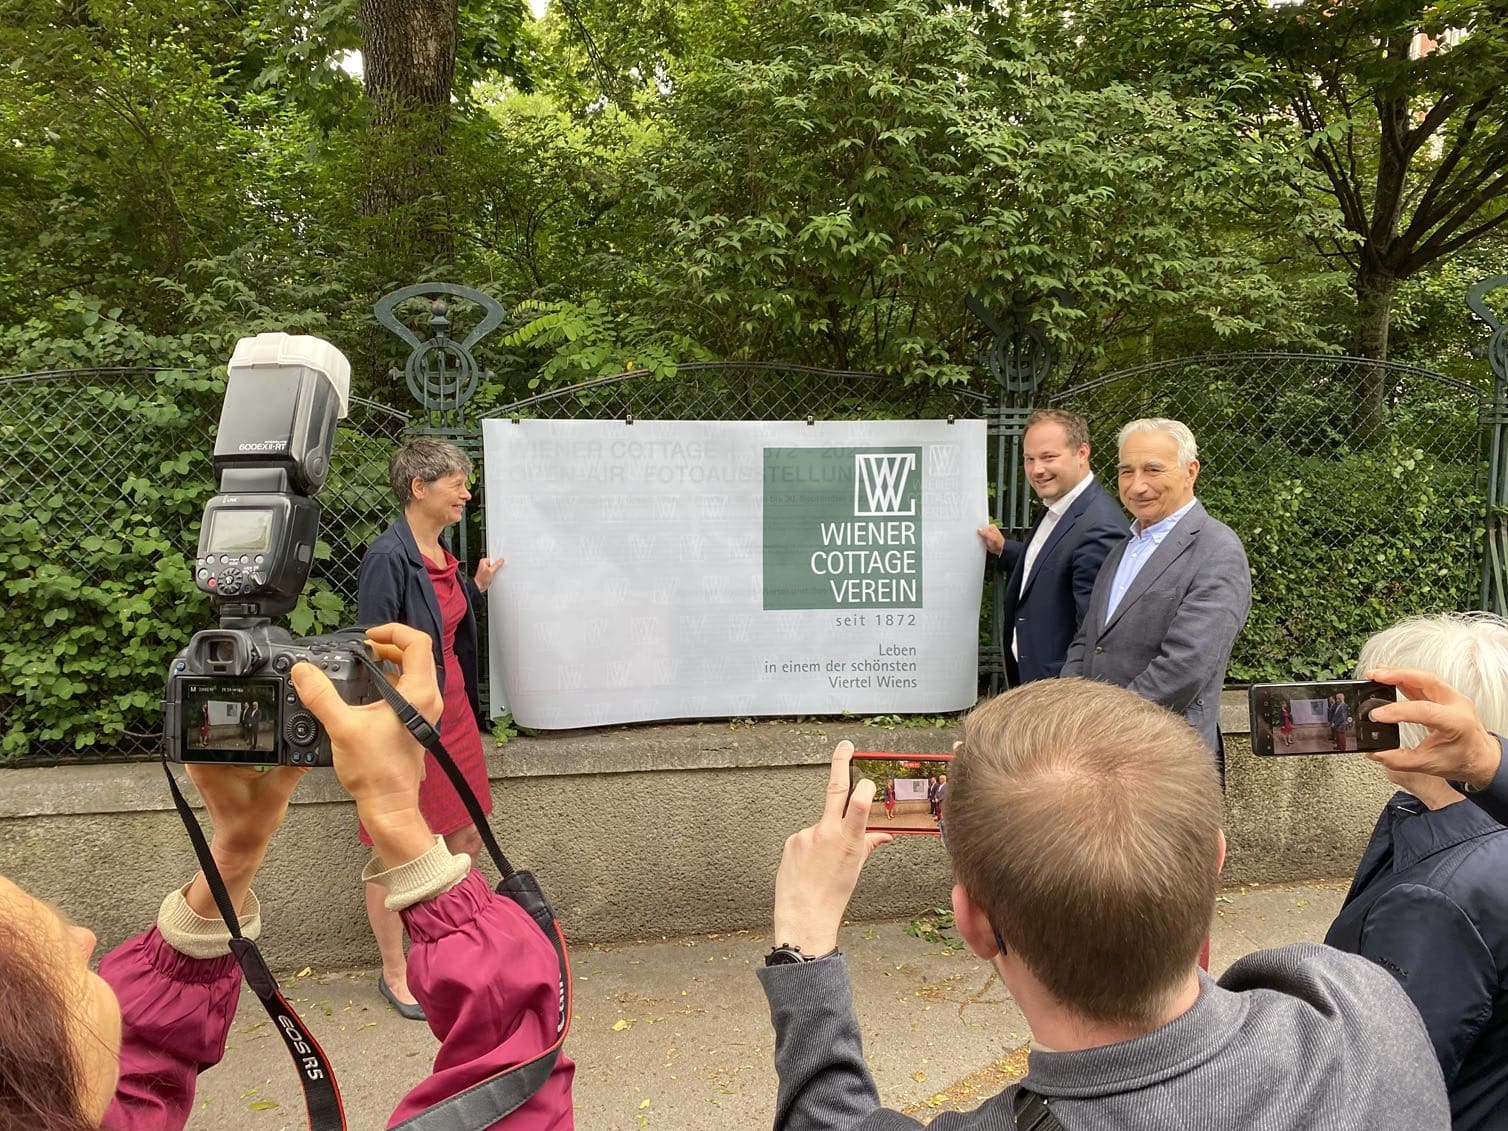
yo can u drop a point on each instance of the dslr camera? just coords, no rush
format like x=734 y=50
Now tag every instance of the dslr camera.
x=229 y=698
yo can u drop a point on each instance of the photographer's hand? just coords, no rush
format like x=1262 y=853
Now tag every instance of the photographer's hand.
x=376 y=759
x=246 y=806
x=821 y=864
x=1457 y=747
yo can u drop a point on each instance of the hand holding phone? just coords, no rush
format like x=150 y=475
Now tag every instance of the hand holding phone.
x=820 y=865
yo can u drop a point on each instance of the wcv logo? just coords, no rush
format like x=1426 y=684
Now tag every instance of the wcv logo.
x=843 y=527
x=879 y=488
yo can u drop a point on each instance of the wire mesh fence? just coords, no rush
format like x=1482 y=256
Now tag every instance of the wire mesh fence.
x=1358 y=488
x=102 y=483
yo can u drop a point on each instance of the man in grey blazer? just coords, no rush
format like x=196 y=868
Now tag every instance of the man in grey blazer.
x=1169 y=601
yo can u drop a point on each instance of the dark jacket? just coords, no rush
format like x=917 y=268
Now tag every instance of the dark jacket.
x=394 y=586
x=1048 y=614
x=1494 y=798
x=1429 y=905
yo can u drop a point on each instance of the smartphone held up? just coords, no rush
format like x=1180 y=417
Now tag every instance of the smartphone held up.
x=1333 y=717
x=910 y=791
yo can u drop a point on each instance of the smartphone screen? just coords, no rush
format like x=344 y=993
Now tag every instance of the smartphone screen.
x=1320 y=718
x=910 y=791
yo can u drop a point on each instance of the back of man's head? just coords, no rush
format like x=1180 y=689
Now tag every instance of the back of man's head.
x=1085 y=822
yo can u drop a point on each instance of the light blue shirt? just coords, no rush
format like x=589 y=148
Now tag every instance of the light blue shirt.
x=1138 y=549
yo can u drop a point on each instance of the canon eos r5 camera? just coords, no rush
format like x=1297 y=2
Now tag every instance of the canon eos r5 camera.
x=229 y=697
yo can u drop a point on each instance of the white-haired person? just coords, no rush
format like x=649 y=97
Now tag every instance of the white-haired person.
x=1429 y=903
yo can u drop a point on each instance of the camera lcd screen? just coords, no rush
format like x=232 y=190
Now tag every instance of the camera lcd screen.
x=231 y=720
x=910 y=792
x=1320 y=718
x=239 y=530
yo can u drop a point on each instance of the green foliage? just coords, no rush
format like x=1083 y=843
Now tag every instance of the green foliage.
x=834 y=186
x=1341 y=548
x=932 y=926
x=96 y=581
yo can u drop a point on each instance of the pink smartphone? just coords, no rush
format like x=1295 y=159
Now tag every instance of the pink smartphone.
x=910 y=791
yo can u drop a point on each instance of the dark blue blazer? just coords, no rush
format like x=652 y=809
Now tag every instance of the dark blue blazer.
x=394 y=586
x=1048 y=614
x=1429 y=905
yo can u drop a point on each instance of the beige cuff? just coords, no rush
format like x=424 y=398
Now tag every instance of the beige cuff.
x=190 y=933
x=425 y=877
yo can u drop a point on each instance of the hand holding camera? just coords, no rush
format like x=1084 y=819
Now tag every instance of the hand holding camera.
x=378 y=762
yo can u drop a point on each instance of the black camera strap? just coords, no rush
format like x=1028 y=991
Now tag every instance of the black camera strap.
x=483 y=1104
x=1031 y=1112
x=315 y=1076
x=479 y=1106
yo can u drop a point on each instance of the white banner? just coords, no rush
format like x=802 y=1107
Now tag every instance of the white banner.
x=686 y=569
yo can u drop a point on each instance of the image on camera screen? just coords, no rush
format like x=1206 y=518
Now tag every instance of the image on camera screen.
x=231 y=720
x=1320 y=718
x=910 y=794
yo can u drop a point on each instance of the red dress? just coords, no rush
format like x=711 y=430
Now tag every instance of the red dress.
x=438 y=800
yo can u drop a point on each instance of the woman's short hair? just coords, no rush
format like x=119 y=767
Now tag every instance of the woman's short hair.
x=1188 y=449
x=425 y=459
x=41 y=1078
x=1469 y=651
x=1085 y=822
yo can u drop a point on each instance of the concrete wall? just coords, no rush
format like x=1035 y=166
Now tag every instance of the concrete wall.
x=635 y=833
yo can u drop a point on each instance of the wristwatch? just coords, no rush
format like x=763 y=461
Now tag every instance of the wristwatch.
x=788 y=955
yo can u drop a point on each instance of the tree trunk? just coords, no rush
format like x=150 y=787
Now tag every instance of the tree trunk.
x=1374 y=286
x=409 y=61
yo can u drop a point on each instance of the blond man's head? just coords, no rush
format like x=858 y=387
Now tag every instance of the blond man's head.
x=1085 y=822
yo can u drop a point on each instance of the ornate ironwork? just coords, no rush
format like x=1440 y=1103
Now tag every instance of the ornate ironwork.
x=1019 y=359
x=1495 y=424
x=441 y=373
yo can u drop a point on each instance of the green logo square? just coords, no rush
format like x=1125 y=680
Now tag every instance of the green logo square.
x=842 y=528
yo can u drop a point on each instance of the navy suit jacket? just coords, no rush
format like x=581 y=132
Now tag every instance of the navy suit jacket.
x=394 y=585
x=1046 y=616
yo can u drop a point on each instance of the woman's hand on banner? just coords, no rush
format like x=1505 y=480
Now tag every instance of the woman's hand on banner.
x=821 y=864
x=486 y=570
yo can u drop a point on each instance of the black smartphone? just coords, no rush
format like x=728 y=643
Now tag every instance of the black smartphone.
x=1332 y=717
x=910 y=791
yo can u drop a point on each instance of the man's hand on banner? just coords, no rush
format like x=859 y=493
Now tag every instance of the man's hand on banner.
x=994 y=540
x=486 y=570
x=821 y=864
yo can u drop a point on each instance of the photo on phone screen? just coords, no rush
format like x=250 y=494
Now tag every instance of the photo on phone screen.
x=910 y=791
x=1320 y=718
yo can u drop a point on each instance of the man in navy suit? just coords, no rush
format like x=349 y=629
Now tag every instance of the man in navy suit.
x=1052 y=573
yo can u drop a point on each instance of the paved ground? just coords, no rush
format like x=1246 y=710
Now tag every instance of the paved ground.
x=675 y=1034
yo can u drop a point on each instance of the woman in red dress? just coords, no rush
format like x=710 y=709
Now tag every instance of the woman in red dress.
x=408 y=576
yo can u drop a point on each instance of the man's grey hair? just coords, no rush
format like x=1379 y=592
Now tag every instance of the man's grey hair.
x=1469 y=651
x=425 y=459
x=1188 y=450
